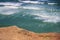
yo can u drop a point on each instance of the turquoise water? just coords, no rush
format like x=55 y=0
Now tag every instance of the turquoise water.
x=35 y=17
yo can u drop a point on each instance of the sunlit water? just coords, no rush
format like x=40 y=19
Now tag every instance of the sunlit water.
x=33 y=17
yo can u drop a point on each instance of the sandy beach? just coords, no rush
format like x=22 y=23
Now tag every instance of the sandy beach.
x=15 y=33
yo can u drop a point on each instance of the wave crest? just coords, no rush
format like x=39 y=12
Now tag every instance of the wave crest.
x=47 y=18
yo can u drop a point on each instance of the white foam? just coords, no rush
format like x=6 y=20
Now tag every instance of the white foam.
x=6 y=3
x=8 y=13
x=31 y=8
x=30 y=1
x=33 y=2
x=34 y=8
x=47 y=18
x=14 y=7
x=10 y=4
x=8 y=10
x=37 y=2
x=52 y=3
x=18 y=5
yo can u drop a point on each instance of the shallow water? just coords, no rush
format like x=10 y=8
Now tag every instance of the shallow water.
x=33 y=17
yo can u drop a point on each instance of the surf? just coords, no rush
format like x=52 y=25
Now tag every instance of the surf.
x=39 y=2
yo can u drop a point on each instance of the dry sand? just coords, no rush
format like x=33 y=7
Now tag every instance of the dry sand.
x=15 y=33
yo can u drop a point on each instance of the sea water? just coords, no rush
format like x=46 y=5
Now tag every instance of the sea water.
x=33 y=17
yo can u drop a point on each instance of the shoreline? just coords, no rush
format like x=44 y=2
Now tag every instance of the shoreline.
x=16 y=33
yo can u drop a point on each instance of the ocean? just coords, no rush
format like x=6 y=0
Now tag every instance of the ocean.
x=33 y=17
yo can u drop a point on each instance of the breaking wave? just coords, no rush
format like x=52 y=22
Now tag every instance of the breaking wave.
x=34 y=8
x=47 y=18
x=8 y=10
x=12 y=8
x=10 y=4
x=37 y=2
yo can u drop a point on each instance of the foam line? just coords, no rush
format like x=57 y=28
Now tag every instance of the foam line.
x=47 y=18
x=37 y=2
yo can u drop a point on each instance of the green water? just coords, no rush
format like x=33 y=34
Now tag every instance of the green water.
x=44 y=20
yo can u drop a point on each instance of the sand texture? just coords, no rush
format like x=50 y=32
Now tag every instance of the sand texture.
x=15 y=33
